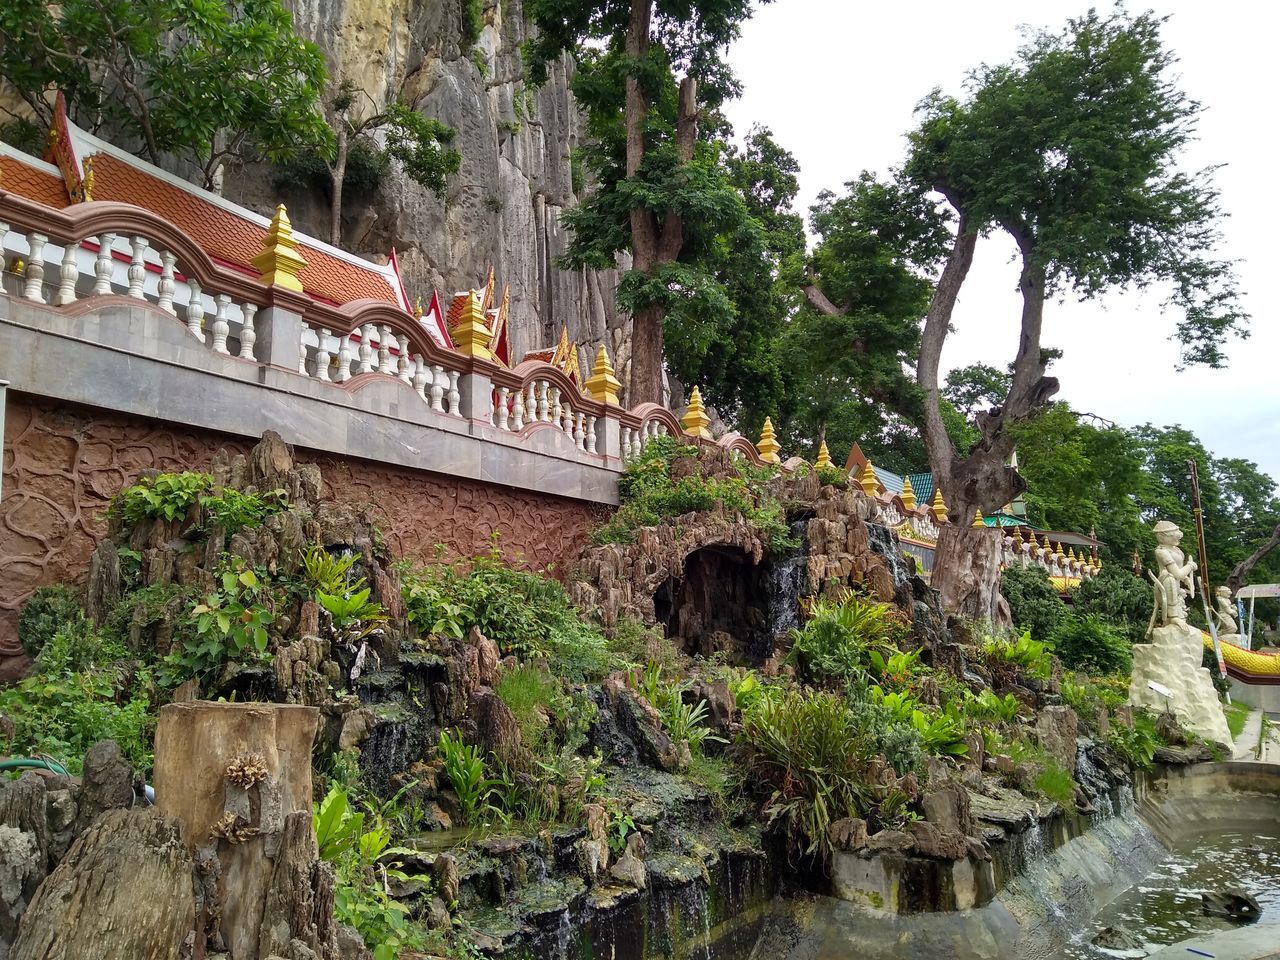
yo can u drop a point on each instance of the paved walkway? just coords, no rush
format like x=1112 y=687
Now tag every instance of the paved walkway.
x=1258 y=942
x=1247 y=742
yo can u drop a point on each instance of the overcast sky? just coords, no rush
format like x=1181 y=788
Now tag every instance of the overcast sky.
x=837 y=82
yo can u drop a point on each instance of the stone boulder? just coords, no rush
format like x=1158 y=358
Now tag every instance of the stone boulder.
x=1056 y=729
x=1231 y=903
x=946 y=805
x=496 y=727
x=106 y=784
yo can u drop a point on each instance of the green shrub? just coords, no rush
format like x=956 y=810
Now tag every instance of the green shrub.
x=528 y=691
x=166 y=496
x=835 y=643
x=464 y=767
x=1029 y=655
x=81 y=691
x=525 y=614
x=231 y=624
x=1036 y=607
x=1056 y=784
x=232 y=509
x=649 y=495
x=807 y=750
x=47 y=611
x=1119 y=597
x=1088 y=642
x=1137 y=745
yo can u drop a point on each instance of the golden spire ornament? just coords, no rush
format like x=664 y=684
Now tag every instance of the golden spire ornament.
x=280 y=264
x=824 y=457
x=603 y=384
x=768 y=446
x=938 y=508
x=908 y=493
x=867 y=480
x=471 y=335
x=977 y=518
x=695 y=419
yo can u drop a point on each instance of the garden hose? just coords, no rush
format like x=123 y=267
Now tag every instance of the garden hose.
x=22 y=763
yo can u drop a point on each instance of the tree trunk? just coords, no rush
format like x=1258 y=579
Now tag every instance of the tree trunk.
x=1245 y=566
x=646 y=356
x=337 y=174
x=122 y=892
x=971 y=558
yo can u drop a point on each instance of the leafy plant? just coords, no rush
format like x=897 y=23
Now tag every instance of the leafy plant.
x=328 y=572
x=1137 y=744
x=1030 y=655
x=1034 y=603
x=464 y=767
x=232 y=509
x=337 y=827
x=940 y=733
x=47 y=611
x=1090 y=643
x=989 y=706
x=230 y=625
x=165 y=496
x=620 y=827
x=1056 y=784
x=835 y=643
x=807 y=750
x=528 y=690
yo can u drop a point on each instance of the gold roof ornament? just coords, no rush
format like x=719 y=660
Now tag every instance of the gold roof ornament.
x=417 y=308
x=938 y=508
x=977 y=518
x=1035 y=544
x=824 y=457
x=867 y=480
x=86 y=182
x=472 y=334
x=695 y=419
x=768 y=446
x=908 y=493
x=279 y=263
x=603 y=384
x=1060 y=555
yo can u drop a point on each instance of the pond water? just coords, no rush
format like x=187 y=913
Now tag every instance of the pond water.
x=1164 y=907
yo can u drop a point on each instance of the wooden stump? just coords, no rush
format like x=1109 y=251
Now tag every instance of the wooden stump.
x=237 y=779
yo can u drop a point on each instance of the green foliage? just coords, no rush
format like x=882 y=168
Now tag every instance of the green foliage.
x=806 y=750
x=46 y=612
x=328 y=572
x=213 y=82
x=420 y=145
x=528 y=690
x=683 y=721
x=620 y=827
x=649 y=496
x=166 y=496
x=1090 y=643
x=1030 y=655
x=987 y=706
x=1056 y=784
x=1137 y=744
x=1236 y=714
x=82 y=690
x=940 y=733
x=1118 y=597
x=525 y=614
x=472 y=21
x=836 y=643
x=231 y=509
x=464 y=767
x=230 y=625
x=1033 y=602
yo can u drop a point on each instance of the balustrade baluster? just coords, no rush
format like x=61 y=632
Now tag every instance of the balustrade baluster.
x=542 y=401
x=195 y=309
x=421 y=376
x=167 y=285
x=248 y=334
x=68 y=274
x=591 y=433
x=454 y=398
x=302 y=350
x=366 y=348
x=555 y=406
x=344 y=358
x=103 y=265
x=33 y=277
x=437 y=388
x=406 y=370
x=384 y=351
x=322 y=355
x=517 y=410
x=565 y=422
x=220 y=325
x=503 y=414
x=4 y=232
x=625 y=446
x=531 y=403
x=580 y=431
x=138 y=267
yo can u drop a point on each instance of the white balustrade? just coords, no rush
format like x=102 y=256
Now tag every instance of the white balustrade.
x=580 y=431
x=103 y=265
x=384 y=351
x=248 y=333
x=543 y=412
x=68 y=275
x=322 y=354
x=33 y=277
x=167 y=286
x=517 y=411
x=137 y=267
x=420 y=376
x=345 y=358
x=591 y=433
x=405 y=368
x=366 y=349
x=302 y=350
x=221 y=324
x=503 y=414
x=455 y=399
x=438 y=382
x=555 y=405
x=195 y=309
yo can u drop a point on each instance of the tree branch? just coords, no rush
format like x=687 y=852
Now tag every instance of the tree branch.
x=818 y=300
x=1245 y=566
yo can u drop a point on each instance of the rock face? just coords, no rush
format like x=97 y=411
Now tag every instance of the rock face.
x=503 y=206
x=1172 y=659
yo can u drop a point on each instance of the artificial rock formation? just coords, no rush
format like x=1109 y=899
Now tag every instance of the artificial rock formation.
x=1172 y=657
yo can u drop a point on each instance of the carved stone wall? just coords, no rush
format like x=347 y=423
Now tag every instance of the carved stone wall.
x=62 y=465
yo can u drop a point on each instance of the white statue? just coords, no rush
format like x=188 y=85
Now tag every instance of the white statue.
x=1174 y=580
x=1225 y=613
x=1167 y=672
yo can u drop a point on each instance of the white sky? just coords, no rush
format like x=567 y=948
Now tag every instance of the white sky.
x=837 y=82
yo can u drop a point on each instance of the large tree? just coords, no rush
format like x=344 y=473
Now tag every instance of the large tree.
x=1071 y=150
x=213 y=83
x=648 y=71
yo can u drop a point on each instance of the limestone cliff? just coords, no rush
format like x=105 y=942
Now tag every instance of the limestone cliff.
x=503 y=206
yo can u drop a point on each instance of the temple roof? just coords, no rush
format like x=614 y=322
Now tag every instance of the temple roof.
x=230 y=234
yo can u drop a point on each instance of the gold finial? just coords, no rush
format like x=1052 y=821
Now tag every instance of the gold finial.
x=908 y=493
x=977 y=518
x=1058 y=553
x=18 y=267
x=86 y=181
x=471 y=335
x=824 y=457
x=279 y=263
x=603 y=384
x=938 y=508
x=417 y=308
x=867 y=480
x=695 y=419
x=768 y=445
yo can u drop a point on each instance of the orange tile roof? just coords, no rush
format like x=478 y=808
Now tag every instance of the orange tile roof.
x=227 y=237
x=25 y=181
